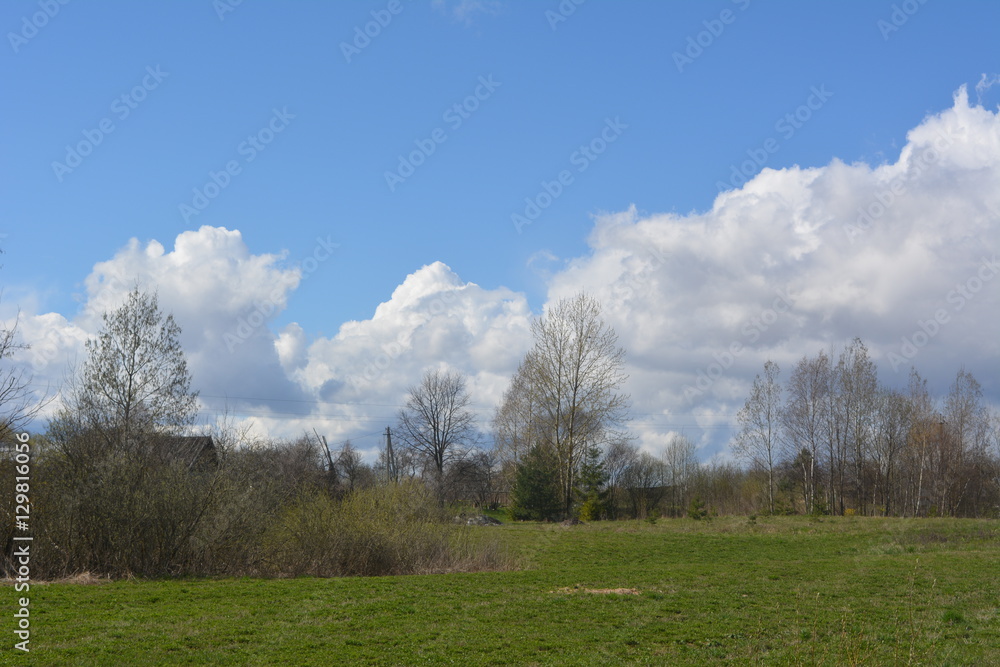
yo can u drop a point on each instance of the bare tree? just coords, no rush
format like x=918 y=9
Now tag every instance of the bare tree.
x=18 y=404
x=968 y=423
x=566 y=393
x=680 y=460
x=515 y=427
x=857 y=388
x=893 y=421
x=437 y=422
x=353 y=471
x=619 y=456
x=644 y=480
x=759 y=437
x=135 y=380
x=804 y=419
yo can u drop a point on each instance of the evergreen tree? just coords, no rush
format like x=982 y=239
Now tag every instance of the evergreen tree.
x=536 y=496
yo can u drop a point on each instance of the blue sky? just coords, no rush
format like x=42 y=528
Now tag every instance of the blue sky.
x=189 y=89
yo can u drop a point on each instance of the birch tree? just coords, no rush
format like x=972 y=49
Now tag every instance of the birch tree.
x=566 y=395
x=759 y=437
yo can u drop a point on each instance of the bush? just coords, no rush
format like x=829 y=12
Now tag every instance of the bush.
x=697 y=509
x=593 y=508
x=265 y=511
x=396 y=529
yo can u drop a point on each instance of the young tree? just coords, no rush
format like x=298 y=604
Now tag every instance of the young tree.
x=968 y=423
x=567 y=388
x=437 y=422
x=804 y=419
x=680 y=459
x=759 y=437
x=536 y=494
x=515 y=424
x=922 y=434
x=135 y=381
x=591 y=486
x=857 y=389
x=893 y=420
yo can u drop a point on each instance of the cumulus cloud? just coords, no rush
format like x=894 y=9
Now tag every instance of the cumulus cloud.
x=432 y=320
x=220 y=294
x=902 y=255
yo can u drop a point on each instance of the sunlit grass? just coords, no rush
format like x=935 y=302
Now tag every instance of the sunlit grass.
x=778 y=591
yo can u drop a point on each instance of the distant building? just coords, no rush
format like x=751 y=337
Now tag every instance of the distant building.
x=196 y=453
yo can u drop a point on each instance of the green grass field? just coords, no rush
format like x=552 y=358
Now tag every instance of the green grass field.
x=780 y=591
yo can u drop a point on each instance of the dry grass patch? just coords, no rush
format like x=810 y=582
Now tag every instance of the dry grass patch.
x=598 y=591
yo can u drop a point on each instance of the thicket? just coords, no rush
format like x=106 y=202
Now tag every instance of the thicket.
x=271 y=510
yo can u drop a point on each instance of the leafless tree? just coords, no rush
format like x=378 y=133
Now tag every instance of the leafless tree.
x=857 y=388
x=18 y=403
x=893 y=422
x=354 y=473
x=437 y=423
x=758 y=440
x=968 y=424
x=804 y=418
x=680 y=460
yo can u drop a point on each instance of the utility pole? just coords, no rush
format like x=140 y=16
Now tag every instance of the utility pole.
x=391 y=472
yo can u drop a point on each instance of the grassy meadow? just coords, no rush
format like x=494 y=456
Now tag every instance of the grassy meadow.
x=774 y=591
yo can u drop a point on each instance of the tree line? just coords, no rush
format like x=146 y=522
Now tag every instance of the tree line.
x=833 y=439
x=117 y=488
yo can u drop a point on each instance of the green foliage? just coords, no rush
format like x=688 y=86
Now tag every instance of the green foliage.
x=819 y=505
x=591 y=486
x=536 y=495
x=594 y=507
x=697 y=510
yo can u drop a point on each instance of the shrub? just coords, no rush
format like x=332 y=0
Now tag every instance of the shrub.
x=396 y=529
x=697 y=509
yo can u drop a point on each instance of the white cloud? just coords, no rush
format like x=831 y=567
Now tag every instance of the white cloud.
x=795 y=261
x=854 y=250
x=432 y=320
x=211 y=284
